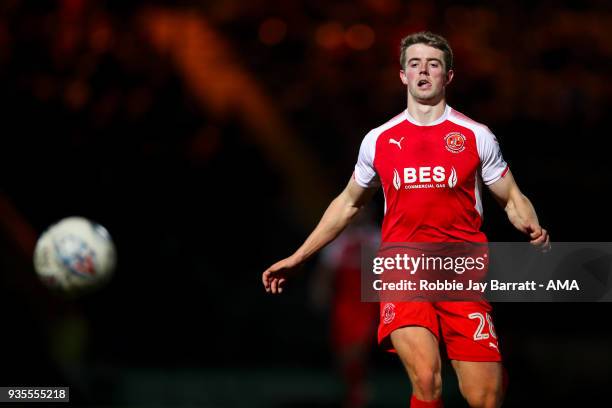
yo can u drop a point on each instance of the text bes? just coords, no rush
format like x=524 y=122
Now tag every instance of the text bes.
x=424 y=174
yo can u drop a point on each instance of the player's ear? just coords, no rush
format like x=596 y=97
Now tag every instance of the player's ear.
x=449 y=76
x=403 y=77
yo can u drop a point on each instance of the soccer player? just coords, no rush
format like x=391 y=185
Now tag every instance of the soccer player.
x=337 y=281
x=431 y=162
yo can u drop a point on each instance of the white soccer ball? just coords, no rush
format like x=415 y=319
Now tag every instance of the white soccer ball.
x=74 y=255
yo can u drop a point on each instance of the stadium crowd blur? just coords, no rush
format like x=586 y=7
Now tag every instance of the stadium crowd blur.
x=209 y=136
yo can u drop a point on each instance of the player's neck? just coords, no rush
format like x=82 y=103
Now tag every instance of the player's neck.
x=426 y=114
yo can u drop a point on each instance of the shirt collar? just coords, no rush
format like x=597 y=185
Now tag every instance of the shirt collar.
x=441 y=119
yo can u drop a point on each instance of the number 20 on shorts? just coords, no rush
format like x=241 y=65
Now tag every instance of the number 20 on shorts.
x=478 y=334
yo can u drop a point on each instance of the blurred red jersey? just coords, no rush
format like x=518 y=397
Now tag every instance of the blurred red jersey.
x=344 y=257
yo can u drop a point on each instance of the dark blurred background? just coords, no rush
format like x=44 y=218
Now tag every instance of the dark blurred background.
x=209 y=136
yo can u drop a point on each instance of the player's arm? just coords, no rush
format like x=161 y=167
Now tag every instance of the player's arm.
x=519 y=209
x=337 y=216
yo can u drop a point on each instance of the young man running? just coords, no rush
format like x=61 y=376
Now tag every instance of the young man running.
x=431 y=162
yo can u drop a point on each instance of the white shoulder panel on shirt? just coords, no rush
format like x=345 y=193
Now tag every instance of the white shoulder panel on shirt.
x=492 y=162
x=365 y=174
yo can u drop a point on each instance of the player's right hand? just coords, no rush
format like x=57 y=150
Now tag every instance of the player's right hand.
x=274 y=277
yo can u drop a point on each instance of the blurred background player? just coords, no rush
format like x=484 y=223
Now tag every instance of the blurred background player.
x=337 y=284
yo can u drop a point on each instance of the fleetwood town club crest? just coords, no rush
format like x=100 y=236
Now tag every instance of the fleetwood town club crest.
x=388 y=313
x=454 y=142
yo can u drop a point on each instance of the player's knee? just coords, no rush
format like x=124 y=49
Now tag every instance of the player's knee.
x=427 y=383
x=484 y=395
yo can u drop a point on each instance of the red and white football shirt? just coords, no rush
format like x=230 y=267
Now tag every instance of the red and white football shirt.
x=431 y=176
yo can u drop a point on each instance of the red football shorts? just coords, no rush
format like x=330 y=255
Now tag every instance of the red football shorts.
x=467 y=327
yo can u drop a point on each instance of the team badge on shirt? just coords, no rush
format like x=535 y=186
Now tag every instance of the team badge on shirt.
x=455 y=142
x=388 y=313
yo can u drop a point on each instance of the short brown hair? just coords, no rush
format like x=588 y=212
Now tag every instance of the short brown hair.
x=427 y=38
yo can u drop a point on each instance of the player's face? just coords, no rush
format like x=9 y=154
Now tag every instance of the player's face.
x=424 y=74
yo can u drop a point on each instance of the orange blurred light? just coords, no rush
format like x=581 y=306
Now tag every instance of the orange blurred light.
x=386 y=7
x=359 y=37
x=330 y=35
x=272 y=31
x=76 y=94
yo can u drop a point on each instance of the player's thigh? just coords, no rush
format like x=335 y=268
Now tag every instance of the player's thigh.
x=418 y=349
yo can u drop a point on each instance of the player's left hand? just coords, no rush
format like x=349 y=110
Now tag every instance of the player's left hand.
x=539 y=237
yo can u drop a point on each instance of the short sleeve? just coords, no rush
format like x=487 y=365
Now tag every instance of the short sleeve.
x=365 y=173
x=492 y=163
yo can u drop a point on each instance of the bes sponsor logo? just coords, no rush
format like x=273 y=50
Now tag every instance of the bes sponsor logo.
x=455 y=142
x=425 y=177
